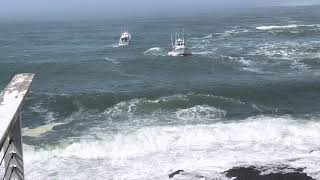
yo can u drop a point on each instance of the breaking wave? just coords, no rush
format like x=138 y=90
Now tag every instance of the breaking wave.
x=201 y=112
x=152 y=152
x=132 y=114
x=291 y=26
x=276 y=27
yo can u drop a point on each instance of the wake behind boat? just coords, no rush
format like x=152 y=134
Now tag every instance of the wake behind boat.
x=125 y=39
x=179 y=48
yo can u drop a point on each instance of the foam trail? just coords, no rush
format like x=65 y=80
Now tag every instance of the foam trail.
x=113 y=61
x=204 y=53
x=113 y=45
x=155 y=51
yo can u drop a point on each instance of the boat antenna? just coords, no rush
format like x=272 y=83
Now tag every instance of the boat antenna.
x=175 y=37
x=171 y=40
x=183 y=34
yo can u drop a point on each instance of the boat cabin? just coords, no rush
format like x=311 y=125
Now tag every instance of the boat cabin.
x=124 y=39
x=180 y=42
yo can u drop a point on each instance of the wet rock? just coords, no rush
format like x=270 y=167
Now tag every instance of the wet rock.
x=171 y=175
x=195 y=175
x=314 y=150
x=251 y=173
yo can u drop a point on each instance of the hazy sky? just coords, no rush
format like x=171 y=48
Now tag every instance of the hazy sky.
x=105 y=8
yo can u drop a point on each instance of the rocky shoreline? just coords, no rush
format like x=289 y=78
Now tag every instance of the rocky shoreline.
x=247 y=173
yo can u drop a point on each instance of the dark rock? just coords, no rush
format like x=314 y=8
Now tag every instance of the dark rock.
x=171 y=175
x=314 y=150
x=251 y=173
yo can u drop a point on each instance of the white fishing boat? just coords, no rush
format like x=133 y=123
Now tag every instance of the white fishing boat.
x=179 y=48
x=125 y=39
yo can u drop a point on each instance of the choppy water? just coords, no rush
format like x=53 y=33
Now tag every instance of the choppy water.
x=249 y=96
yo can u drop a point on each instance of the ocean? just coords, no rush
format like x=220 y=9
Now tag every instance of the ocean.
x=247 y=97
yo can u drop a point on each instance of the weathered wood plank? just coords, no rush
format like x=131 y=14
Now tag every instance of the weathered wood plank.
x=10 y=102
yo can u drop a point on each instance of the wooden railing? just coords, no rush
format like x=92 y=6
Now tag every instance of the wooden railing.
x=11 y=99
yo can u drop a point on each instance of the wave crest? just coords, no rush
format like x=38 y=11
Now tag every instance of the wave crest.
x=201 y=112
x=290 y=26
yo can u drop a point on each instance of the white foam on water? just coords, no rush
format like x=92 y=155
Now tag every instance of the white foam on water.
x=38 y=108
x=207 y=37
x=232 y=32
x=277 y=27
x=290 y=26
x=48 y=116
x=203 y=47
x=113 y=45
x=247 y=64
x=218 y=97
x=275 y=50
x=200 y=175
x=254 y=106
x=250 y=69
x=154 y=152
x=315 y=55
x=201 y=112
x=155 y=51
x=112 y=60
x=201 y=38
x=245 y=61
x=291 y=52
x=204 y=53
x=296 y=64
x=132 y=105
x=50 y=122
x=38 y=131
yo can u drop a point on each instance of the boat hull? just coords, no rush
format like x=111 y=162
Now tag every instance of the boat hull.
x=124 y=43
x=179 y=52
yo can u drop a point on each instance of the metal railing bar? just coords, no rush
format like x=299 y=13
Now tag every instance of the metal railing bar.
x=12 y=169
x=4 y=154
x=11 y=101
x=5 y=173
